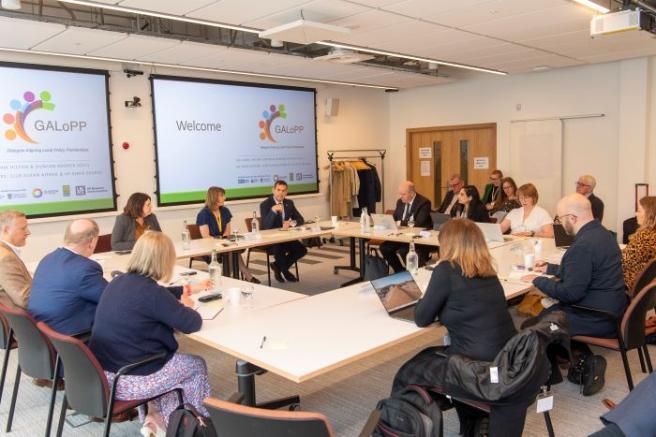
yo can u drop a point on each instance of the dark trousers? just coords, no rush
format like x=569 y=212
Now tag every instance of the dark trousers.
x=286 y=254
x=392 y=250
x=426 y=369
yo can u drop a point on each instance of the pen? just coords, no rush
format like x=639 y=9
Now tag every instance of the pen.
x=219 y=312
x=262 y=343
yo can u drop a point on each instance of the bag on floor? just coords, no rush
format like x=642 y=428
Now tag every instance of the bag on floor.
x=531 y=305
x=375 y=268
x=411 y=412
x=186 y=421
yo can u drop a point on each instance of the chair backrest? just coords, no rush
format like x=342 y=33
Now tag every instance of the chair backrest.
x=104 y=244
x=249 y=223
x=87 y=389
x=633 y=322
x=236 y=420
x=36 y=355
x=194 y=232
x=4 y=332
x=647 y=275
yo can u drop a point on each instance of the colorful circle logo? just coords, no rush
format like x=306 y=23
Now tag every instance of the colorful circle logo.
x=22 y=110
x=269 y=116
x=37 y=192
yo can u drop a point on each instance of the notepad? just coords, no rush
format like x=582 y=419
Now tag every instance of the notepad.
x=209 y=311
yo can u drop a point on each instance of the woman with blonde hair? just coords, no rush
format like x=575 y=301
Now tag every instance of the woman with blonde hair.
x=136 y=318
x=214 y=221
x=465 y=295
x=642 y=245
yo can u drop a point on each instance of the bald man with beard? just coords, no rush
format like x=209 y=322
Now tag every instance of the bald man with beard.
x=67 y=284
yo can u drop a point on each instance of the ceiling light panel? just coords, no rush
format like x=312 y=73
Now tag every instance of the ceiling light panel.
x=80 y=40
x=323 y=11
x=23 y=34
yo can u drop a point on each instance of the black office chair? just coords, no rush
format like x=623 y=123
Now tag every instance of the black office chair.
x=36 y=358
x=235 y=420
x=87 y=388
x=265 y=249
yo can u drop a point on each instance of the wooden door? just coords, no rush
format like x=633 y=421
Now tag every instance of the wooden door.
x=434 y=154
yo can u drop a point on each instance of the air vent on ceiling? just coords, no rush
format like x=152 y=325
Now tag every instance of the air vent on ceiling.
x=305 y=32
x=342 y=56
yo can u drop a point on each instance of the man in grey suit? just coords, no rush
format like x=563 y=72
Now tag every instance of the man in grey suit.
x=15 y=279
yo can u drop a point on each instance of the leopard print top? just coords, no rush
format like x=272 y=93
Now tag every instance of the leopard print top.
x=640 y=250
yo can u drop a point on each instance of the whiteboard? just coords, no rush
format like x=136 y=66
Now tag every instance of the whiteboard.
x=536 y=150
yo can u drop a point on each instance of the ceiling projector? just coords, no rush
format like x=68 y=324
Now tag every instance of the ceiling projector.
x=622 y=21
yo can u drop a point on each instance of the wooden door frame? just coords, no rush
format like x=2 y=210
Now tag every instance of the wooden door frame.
x=414 y=130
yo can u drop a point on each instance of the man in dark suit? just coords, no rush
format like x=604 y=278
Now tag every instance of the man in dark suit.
x=585 y=186
x=451 y=197
x=410 y=204
x=278 y=212
x=67 y=284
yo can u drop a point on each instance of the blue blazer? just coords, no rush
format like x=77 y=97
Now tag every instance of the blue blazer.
x=272 y=220
x=65 y=291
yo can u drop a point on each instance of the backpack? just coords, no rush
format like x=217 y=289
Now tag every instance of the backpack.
x=186 y=421
x=411 y=412
x=375 y=267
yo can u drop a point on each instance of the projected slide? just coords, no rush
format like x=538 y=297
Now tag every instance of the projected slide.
x=241 y=137
x=55 y=155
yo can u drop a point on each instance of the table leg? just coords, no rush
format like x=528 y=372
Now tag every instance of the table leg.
x=351 y=265
x=225 y=262
x=363 y=255
x=246 y=386
x=235 y=264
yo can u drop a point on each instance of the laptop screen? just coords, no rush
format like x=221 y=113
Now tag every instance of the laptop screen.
x=397 y=291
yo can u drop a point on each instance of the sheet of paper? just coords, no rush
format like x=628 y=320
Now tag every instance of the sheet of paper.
x=425 y=168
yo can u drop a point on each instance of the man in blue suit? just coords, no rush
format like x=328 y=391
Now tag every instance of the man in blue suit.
x=278 y=212
x=67 y=284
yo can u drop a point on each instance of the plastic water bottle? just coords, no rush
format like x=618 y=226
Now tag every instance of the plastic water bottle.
x=214 y=271
x=411 y=221
x=255 y=224
x=363 y=219
x=412 y=259
x=186 y=237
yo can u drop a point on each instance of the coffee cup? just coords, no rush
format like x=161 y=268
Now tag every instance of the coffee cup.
x=234 y=295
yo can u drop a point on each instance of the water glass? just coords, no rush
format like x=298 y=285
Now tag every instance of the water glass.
x=248 y=293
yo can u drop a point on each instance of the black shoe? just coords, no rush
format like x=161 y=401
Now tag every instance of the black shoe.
x=276 y=272
x=289 y=276
x=254 y=280
x=592 y=379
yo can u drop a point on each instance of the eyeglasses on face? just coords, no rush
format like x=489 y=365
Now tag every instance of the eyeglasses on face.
x=559 y=218
x=582 y=184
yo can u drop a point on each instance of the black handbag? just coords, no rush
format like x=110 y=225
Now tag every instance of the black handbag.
x=375 y=267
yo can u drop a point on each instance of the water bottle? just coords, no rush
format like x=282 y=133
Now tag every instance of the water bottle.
x=186 y=237
x=255 y=224
x=367 y=222
x=363 y=219
x=412 y=260
x=411 y=221
x=214 y=270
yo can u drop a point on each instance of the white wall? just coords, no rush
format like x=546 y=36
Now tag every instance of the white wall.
x=363 y=115
x=618 y=148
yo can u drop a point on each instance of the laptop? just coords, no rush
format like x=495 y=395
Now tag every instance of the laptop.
x=491 y=232
x=384 y=221
x=399 y=294
x=563 y=240
x=439 y=219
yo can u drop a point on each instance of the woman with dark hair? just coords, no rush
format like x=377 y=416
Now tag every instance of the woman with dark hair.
x=507 y=201
x=137 y=218
x=214 y=221
x=470 y=205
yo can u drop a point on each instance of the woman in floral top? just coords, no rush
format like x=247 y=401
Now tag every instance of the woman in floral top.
x=642 y=245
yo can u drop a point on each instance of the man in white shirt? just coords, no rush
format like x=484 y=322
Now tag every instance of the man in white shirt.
x=15 y=279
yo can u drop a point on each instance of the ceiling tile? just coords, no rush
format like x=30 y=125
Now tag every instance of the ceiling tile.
x=80 y=40
x=24 y=34
x=182 y=53
x=322 y=11
x=426 y=8
x=173 y=7
x=135 y=46
x=488 y=10
x=368 y=21
x=240 y=11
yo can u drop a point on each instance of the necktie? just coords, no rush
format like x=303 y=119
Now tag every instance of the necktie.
x=405 y=212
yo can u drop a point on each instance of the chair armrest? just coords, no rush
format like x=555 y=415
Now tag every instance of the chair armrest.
x=595 y=311
x=235 y=398
x=83 y=336
x=128 y=368
x=372 y=421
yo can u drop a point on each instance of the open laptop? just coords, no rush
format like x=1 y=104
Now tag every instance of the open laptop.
x=399 y=294
x=439 y=219
x=491 y=232
x=384 y=221
x=563 y=240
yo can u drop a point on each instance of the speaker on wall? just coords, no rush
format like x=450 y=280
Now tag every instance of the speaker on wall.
x=332 y=106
